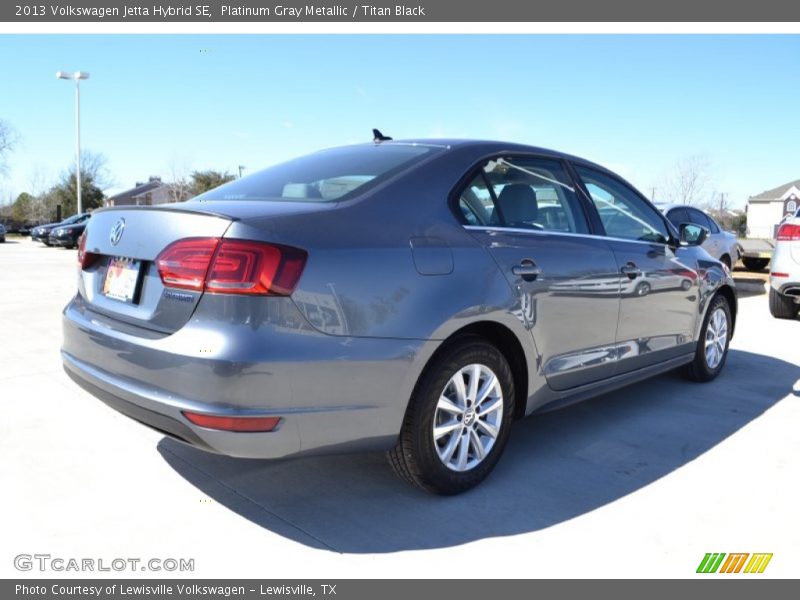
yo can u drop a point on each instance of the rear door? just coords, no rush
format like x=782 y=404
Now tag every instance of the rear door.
x=659 y=289
x=525 y=211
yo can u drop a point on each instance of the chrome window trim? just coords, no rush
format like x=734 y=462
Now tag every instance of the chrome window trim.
x=565 y=233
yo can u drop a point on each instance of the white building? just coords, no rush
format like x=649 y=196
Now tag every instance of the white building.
x=766 y=210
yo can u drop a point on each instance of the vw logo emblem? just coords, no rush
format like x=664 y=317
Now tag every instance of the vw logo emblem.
x=116 y=232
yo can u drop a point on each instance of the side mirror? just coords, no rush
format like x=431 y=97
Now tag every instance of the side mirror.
x=692 y=234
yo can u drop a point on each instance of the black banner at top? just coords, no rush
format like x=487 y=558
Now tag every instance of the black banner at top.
x=55 y=11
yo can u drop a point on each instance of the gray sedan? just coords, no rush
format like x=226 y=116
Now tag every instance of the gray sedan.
x=412 y=297
x=720 y=244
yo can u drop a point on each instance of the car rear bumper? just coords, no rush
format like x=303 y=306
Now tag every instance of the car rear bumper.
x=787 y=262
x=333 y=394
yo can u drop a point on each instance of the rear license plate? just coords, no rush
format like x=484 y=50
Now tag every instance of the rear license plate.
x=122 y=279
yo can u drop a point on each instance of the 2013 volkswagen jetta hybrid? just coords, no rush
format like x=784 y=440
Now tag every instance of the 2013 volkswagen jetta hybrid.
x=408 y=296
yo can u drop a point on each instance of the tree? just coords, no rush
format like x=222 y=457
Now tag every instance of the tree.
x=8 y=139
x=22 y=209
x=65 y=193
x=202 y=181
x=94 y=177
x=688 y=183
x=180 y=188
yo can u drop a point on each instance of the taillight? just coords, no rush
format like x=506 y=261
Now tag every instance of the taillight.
x=85 y=259
x=231 y=266
x=184 y=264
x=788 y=232
x=242 y=424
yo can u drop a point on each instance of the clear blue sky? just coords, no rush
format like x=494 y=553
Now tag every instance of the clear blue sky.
x=635 y=103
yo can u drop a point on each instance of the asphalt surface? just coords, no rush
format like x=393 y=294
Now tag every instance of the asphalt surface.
x=638 y=483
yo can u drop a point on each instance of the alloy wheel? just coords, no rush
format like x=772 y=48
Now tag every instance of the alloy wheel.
x=468 y=417
x=716 y=338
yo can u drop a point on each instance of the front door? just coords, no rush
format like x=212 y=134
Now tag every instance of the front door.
x=659 y=291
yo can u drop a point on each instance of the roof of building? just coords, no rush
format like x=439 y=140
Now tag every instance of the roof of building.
x=775 y=193
x=138 y=190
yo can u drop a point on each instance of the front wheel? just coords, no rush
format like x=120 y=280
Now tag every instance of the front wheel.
x=458 y=421
x=712 y=347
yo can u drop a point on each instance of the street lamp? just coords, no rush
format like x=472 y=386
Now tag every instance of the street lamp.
x=76 y=76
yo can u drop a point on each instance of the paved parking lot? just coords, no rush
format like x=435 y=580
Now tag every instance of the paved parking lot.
x=641 y=482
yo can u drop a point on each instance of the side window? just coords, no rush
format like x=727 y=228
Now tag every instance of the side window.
x=714 y=226
x=677 y=216
x=623 y=212
x=695 y=216
x=477 y=204
x=523 y=193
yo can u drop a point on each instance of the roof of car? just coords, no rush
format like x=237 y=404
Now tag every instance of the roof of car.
x=492 y=146
x=667 y=206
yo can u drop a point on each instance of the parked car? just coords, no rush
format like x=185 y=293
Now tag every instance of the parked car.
x=41 y=233
x=67 y=235
x=2 y=233
x=722 y=245
x=784 y=277
x=397 y=296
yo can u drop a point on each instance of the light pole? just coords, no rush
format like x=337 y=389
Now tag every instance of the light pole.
x=76 y=76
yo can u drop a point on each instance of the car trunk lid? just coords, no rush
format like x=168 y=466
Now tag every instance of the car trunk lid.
x=132 y=238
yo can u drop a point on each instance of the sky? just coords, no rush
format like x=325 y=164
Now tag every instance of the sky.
x=169 y=104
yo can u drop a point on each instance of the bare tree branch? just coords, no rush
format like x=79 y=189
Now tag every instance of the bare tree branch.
x=688 y=183
x=8 y=140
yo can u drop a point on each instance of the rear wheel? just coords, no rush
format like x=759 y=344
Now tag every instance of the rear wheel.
x=712 y=347
x=726 y=260
x=781 y=307
x=755 y=264
x=459 y=419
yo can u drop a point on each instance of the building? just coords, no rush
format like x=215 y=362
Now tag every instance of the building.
x=765 y=211
x=144 y=194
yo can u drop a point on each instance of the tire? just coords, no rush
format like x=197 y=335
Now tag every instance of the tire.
x=642 y=289
x=726 y=260
x=418 y=458
x=781 y=307
x=702 y=368
x=755 y=264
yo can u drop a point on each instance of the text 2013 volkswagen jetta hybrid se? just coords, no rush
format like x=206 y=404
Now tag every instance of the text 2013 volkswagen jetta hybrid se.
x=414 y=297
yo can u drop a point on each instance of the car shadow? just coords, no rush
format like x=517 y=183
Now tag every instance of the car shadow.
x=558 y=465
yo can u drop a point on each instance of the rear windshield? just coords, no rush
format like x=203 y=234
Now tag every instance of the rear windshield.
x=336 y=174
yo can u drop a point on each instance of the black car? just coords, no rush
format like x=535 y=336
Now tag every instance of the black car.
x=67 y=234
x=41 y=233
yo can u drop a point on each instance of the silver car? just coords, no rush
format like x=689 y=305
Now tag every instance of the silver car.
x=784 y=276
x=411 y=297
x=720 y=244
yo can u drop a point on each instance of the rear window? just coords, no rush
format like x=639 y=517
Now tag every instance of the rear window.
x=329 y=175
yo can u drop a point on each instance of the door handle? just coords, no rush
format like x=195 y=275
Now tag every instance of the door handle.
x=527 y=269
x=631 y=270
